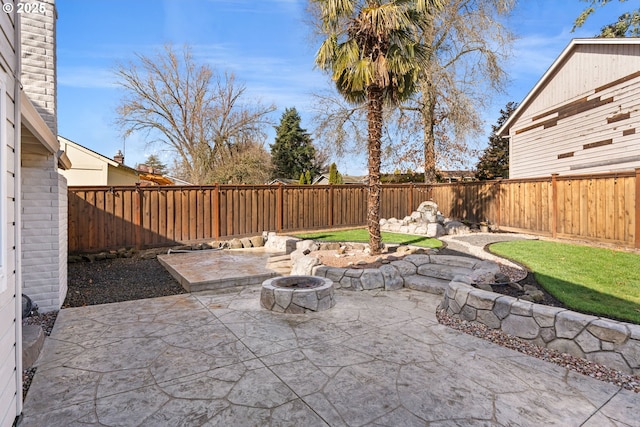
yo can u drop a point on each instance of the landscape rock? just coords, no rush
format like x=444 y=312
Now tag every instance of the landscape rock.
x=246 y=242
x=304 y=266
x=308 y=244
x=235 y=244
x=404 y=250
x=435 y=230
x=256 y=241
x=456 y=228
x=428 y=211
x=330 y=246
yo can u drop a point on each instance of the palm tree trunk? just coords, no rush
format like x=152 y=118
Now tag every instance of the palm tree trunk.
x=374 y=118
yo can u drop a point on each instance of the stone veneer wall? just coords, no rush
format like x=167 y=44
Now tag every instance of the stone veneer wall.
x=607 y=342
x=427 y=273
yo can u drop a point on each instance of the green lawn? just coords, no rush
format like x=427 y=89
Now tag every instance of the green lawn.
x=587 y=279
x=362 y=235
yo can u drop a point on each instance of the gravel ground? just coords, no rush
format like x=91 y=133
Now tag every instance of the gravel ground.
x=582 y=366
x=125 y=279
x=116 y=280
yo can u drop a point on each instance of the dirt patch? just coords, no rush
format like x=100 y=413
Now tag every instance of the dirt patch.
x=354 y=259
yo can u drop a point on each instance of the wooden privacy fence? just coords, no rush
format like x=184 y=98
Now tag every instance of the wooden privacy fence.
x=595 y=207
x=600 y=207
x=103 y=218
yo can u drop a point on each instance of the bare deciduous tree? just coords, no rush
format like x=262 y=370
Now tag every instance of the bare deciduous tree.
x=189 y=108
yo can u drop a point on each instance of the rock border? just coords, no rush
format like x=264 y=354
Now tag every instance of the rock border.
x=604 y=341
x=428 y=273
x=235 y=243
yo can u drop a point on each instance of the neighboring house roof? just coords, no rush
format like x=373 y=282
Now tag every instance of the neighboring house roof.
x=285 y=181
x=464 y=175
x=97 y=155
x=150 y=176
x=156 y=179
x=346 y=179
x=178 y=181
x=551 y=72
x=91 y=168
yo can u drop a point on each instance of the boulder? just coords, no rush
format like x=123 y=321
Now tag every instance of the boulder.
x=404 y=250
x=331 y=246
x=256 y=241
x=234 y=244
x=246 y=242
x=483 y=276
x=435 y=230
x=428 y=211
x=307 y=245
x=281 y=243
x=304 y=266
x=456 y=228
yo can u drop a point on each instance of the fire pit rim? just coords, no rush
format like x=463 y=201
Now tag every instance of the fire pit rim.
x=323 y=283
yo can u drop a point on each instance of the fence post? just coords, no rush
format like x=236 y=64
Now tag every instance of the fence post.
x=279 y=208
x=554 y=205
x=138 y=217
x=330 y=205
x=411 y=186
x=497 y=190
x=638 y=208
x=216 y=211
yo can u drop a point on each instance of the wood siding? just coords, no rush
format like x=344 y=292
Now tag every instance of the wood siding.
x=583 y=120
x=592 y=207
x=10 y=399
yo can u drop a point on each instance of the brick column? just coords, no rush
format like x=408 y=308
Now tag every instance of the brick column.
x=38 y=38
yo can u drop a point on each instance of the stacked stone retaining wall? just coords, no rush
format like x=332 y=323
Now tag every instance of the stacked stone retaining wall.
x=428 y=273
x=607 y=342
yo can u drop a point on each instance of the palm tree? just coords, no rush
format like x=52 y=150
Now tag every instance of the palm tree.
x=373 y=51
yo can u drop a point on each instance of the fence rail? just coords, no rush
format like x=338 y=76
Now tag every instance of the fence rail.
x=601 y=207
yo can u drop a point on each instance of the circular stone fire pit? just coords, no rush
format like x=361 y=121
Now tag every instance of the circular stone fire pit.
x=297 y=294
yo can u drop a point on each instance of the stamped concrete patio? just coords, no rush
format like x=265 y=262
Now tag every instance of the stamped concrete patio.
x=376 y=358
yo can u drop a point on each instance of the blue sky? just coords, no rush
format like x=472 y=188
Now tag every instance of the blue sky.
x=266 y=44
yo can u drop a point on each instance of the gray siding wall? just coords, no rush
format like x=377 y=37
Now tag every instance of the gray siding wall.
x=586 y=119
x=10 y=398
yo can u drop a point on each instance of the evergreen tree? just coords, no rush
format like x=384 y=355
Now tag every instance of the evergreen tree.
x=156 y=164
x=307 y=177
x=301 y=180
x=293 y=152
x=334 y=176
x=494 y=162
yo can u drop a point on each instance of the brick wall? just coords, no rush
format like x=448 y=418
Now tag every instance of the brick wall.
x=44 y=236
x=38 y=37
